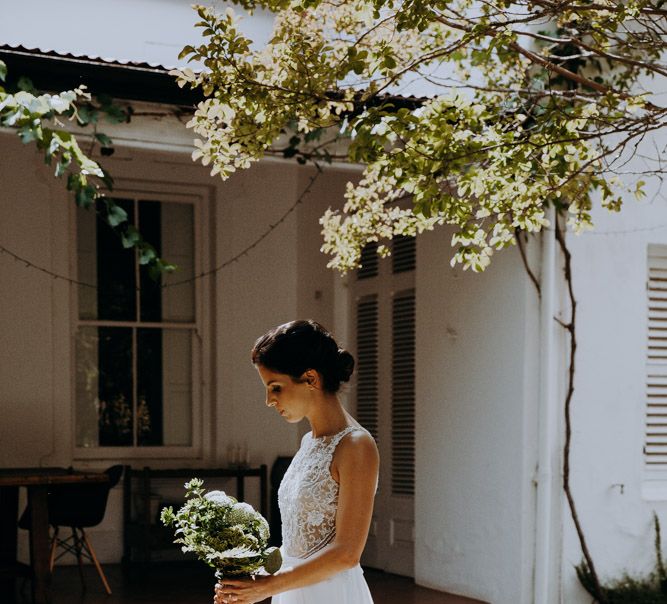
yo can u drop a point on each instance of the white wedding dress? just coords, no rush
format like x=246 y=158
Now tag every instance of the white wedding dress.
x=308 y=500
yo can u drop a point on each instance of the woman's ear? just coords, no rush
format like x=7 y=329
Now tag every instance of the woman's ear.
x=312 y=378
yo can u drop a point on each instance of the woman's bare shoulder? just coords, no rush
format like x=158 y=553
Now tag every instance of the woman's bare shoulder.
x=357 y=446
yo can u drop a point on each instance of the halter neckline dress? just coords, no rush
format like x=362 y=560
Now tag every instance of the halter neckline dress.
x=308 y=500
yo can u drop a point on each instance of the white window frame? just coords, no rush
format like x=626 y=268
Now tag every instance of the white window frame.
x=200 y=198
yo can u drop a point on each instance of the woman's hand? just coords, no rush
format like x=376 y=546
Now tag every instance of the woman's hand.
x=242 y=591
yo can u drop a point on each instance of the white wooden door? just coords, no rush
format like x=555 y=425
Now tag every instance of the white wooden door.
x=383 y=317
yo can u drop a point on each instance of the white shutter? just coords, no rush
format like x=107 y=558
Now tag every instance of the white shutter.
x=403 y=394
x=655 y=443
x=367 y=364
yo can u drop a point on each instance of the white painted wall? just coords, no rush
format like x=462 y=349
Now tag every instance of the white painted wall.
x=275 y=282
x=34 y=317
x=322 y=291
x=255 y=293
x=477 y=336
x=608 y=406
x=476 y=425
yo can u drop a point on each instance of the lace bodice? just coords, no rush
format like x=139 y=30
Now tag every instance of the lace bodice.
x=308 y=496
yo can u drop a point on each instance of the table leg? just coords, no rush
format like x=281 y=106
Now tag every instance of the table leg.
x=263 y=491
x=9 y=505
x=39 y=544
x=240 y=486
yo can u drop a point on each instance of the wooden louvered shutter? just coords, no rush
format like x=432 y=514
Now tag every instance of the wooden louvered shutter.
x=367 y=364
x=369 y=261
x=403 y=394
x=655 y=443
x=403 y=254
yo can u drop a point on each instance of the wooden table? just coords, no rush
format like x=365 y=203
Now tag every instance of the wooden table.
x=142 y=533
x=37 y=481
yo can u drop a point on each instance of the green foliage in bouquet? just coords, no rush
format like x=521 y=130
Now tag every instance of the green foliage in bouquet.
x=229 y=536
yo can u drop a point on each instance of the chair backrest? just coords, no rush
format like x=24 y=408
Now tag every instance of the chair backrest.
x=82 y=505
x=114 y=473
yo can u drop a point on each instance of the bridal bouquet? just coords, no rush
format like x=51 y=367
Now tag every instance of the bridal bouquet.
x=229 y=536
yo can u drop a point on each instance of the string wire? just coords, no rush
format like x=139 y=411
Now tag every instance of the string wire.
x=270 y=228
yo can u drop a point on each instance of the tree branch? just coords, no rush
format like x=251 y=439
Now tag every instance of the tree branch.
x=571 y=329
x=524 y=258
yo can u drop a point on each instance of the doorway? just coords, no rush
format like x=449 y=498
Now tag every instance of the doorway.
x=383 y=328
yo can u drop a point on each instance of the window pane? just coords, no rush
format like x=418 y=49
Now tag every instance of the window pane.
x=169 y=227
x=86 y=241
x=104 y=262
x=177 y=237
x=164 y=387
x=151 y=290
x=104 y=387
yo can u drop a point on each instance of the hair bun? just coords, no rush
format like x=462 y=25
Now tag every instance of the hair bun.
x=300 y=345
x=345 y=365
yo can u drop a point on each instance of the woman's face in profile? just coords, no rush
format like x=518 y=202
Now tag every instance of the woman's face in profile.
x=289 y=398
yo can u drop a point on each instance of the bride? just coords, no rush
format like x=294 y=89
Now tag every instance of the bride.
x=326 y=496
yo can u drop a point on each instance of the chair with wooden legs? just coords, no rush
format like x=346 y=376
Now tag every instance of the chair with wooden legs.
x=78 y=507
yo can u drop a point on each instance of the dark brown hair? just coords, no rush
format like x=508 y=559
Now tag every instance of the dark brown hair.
x=295 y=347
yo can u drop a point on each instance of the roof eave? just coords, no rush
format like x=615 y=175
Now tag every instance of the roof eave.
x=51 y=71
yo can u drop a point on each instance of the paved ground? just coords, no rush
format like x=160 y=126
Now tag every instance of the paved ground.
x=178 y=584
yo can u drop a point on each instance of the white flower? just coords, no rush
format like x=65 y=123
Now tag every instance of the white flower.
x=219 y=497
x=244 y=507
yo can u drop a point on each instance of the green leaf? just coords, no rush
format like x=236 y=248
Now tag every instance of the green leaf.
x=85 y=196
x=389 y=62
x=63 y=164
x=188 y=50
x=167 y=267
x=86 y=115
x=24 y=83
x=147 y=254
x=76 y=181
x=155 y=271
x=104 y=140
x=116 y=114
x=130 y=237
x=27 y=134
x=274 y=561
x=115 y=214
x=107 y=179
x=3 y=71
x=105 y=100
x=313 y=135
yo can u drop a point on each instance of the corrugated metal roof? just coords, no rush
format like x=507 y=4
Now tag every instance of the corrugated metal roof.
x=132 y=80
x=86 y=59
x=128 y=80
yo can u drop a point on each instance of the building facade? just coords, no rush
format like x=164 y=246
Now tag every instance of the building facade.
x=462 y=377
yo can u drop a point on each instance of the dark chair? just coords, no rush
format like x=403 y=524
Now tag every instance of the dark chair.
x=77 y=507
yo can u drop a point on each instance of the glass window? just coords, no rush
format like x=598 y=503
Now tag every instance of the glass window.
x=134 y=341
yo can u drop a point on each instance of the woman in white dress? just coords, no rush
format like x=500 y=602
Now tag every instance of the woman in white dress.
x=326 y=496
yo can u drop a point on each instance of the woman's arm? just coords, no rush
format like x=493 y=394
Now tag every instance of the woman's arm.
x=355 y=466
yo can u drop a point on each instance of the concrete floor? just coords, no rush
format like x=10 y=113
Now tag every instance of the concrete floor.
x=185 y=584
